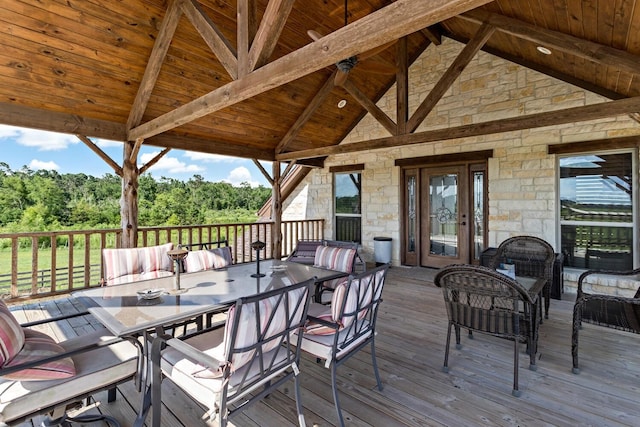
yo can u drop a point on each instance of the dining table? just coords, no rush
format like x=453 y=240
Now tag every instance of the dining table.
x=139 y=309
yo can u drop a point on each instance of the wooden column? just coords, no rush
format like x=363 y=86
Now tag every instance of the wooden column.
x=276 y=211
x=129 y=197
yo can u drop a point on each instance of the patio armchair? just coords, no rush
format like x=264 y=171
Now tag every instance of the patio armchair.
x=227 y=368
x=41 y=376
x=612 y=311
x=483 y=300
x=335 y=333
x=334 y=258
x=532 y=257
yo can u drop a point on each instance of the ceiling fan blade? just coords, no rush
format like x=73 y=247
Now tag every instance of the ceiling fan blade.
x=341 y=78
x=314 y=35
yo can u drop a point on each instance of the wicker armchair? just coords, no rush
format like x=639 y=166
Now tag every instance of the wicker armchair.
x=532 y=257
x=483 y=300
x=612 y=311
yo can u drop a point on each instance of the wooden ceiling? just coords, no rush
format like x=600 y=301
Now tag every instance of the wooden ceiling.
x=244 y=78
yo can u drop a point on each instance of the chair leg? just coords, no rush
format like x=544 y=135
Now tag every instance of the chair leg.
x=375 y=364
x=516 y=391
x=111 y=395
x=574 y=337
x=445 y=368
x=301 y=420
x=334 y=387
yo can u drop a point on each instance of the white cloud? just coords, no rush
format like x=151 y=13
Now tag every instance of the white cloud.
x=240 y=175
x=105 y=143
x=41 y=140
x=169 y=164
x=211 y=158
x=39 y=164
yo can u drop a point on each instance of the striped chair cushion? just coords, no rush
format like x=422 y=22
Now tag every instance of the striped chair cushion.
x=38 y=346
x=343 y=300
x=335 y=258
x=11 y=335
x=207 y=259
x=154 y=258
x=120 y=262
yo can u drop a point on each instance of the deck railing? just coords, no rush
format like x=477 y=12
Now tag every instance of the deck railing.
x=54 y=262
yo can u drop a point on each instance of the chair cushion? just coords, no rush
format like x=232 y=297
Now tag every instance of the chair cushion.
x=155 y=258
x=334 y=258
x=95 y=370
x=38 y=346
x=11 y=335
x=207 y=259
x=322 y=345
x=120 y=262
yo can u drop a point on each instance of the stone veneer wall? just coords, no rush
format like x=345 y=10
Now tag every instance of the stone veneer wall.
x=522 y=181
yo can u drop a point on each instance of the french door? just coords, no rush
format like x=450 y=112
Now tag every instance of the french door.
x=444 y=215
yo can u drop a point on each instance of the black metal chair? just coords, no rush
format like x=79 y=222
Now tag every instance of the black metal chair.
x=41 y=376
x=612 y=311
x=483 y=300
x=532 y=257
x=227 y=368
x=335 y=333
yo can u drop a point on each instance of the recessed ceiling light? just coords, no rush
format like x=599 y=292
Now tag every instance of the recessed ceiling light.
x=544 y=50
x=342 y=103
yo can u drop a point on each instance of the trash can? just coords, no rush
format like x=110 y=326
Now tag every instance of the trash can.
x=382 y=250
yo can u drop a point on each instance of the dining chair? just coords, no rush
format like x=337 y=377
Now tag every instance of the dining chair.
x=230 y=367
x=41 y=376
x=483 y=300
x=532 y=257
x=333 y=258
x=335 y=333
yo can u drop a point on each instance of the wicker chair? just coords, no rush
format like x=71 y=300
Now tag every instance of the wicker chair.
x=532 y=257
x=483 y=300
x=613 y=311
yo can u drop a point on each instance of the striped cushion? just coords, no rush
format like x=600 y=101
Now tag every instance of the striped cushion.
x=207 y=259
x=11 y=335
x=38 y=346
x=334 y=258
x=340 y=303
x=120 y=262
x=154 y=258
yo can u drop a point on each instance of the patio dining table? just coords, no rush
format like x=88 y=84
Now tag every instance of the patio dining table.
x=125 y=310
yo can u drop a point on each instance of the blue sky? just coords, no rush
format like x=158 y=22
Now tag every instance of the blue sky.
x=67 y=154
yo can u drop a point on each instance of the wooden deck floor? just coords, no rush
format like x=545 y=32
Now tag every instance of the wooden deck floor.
x=410 y=349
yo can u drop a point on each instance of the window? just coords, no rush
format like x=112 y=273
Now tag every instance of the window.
x=347 y=190
x=597 y=210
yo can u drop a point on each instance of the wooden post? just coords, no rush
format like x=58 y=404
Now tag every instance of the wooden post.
x=129 y=197
x=276 y=211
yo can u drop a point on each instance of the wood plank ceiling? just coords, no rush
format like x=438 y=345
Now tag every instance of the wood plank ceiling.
x=246 y=79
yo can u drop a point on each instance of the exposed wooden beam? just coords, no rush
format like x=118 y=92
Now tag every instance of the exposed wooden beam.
x=181 y=142
x=34 y=118
x=245 y=10
x=371 y=107
x=104 y=156
x=433 y=35
x=450 y=76
x=311 y=108
x=269 y=31
x=290 y=167
x=402 y=86
x=555 y=40
x=398 y=19
x=263 y=171
x=595 y=145
x=158 y=53
x=531 y=121
x=135 y=150
x=212 y=36
x=153 y=161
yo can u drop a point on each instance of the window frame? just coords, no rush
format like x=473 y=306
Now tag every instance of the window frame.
x=344 y=171
x=635 y=211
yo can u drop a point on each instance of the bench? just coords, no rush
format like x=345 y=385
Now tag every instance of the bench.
x=305 y=252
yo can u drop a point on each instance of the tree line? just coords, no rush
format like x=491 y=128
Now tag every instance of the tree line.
x=46 y=200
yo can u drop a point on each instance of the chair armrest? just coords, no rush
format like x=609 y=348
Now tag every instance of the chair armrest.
x=53 y=319
x=92 y=346
x=323 y=322
x=163 y=341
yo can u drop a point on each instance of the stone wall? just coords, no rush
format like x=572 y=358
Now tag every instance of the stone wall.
x=521 y=176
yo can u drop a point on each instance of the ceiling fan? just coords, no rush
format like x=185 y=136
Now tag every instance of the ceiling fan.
x=374 y=65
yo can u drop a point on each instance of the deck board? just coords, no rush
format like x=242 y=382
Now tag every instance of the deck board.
x=410 y=348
